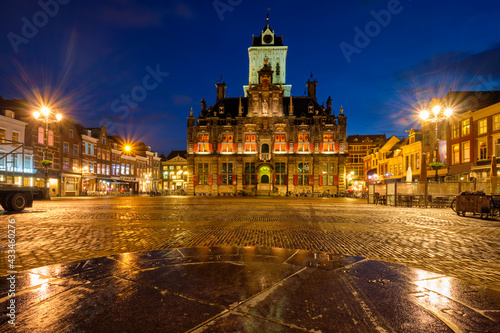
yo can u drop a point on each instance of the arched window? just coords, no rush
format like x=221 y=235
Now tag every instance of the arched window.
x=265 y=148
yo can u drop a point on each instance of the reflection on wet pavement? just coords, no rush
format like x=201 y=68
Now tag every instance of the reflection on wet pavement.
x=250 y=289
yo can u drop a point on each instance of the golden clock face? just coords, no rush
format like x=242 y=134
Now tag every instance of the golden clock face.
x=268 y=39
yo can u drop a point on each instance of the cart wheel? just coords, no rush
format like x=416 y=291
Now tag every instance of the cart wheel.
x=463 y=213
x=458 y=213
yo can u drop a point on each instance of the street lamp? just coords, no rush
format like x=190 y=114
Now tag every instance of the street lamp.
x=47 y=118
x=437 y=115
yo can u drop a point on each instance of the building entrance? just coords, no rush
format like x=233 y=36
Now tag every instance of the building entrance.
x=264 y=179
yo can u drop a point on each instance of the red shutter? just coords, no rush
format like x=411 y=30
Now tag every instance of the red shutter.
x=287 y=146
x=195 y=180
x=320 y=180
x=219 y=180
x=210 y=181
x=337 y=146
x=336 y=180
x=321 y=146
x=295 y=146
x=195 y=147
x=243 y=180
x=235 y=180
x=210 y=147
x=295 y=180
x=286 y=180
x=311 y=180
x=311 y=147
x=256 y=179
x=235 y=147
x=219 y=147
x=274 y=179
x=275 y=147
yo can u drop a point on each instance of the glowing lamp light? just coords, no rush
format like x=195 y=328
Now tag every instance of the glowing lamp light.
x=424 y=114
x=58 y=117
x=45 y=111
x=127 y=148
x=370 y=177
x=448 y=112
x=36 y=114
x=436 y=109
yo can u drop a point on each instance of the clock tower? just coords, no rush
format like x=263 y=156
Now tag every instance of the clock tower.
x=268 y=46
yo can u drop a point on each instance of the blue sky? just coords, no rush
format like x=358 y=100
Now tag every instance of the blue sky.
x=85 y=56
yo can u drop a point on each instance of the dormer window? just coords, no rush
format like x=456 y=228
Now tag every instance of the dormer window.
x=221 y=109
x=310 y=109
x=9 y=114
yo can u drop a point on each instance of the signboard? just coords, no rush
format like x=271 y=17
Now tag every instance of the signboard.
x=443 y=156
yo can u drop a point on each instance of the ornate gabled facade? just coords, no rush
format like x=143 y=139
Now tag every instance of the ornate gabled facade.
x=268 y=142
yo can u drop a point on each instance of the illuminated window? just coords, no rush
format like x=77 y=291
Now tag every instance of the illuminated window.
x=250 y=143
x=40 y=136
x=98 y=169
x=65 y=148
x=280 y=142
x=483 y=151
x=465 y=127
x=227 y=143
x=328 y=144
x=203 y=143
x=482 y=126
x=75 y=166
x=15 y=136
x=456 y=131
x=75 y=149
x=65 y=163
x=51 y=138
x=303 y=142
x=466 y=152
x=2 y=135
x=496 y=122
x=455 y=151
x=497 y=147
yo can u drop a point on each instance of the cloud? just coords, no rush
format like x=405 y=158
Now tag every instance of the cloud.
x=459 y=70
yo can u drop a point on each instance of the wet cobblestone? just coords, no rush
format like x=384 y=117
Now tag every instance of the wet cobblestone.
x=437 y=240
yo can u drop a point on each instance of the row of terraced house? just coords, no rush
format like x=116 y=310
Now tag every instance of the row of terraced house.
x=463 y=144
x=86 y=161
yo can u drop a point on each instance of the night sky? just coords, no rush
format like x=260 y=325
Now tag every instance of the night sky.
x=86 y=54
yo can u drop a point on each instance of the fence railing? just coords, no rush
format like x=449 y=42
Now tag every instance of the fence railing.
x=422 y=194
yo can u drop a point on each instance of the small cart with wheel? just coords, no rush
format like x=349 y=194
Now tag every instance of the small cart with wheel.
x=475 y=204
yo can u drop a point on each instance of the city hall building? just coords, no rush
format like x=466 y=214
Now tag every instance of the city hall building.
x=267 y=142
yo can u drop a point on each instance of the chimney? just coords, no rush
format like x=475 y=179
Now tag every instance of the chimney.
x=221 y=88
x=311 y=87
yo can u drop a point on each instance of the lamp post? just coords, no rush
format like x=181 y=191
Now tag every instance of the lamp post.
x=437 y=116
x=48 y=118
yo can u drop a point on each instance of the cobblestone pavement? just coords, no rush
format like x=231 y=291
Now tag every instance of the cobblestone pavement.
x=433 y=239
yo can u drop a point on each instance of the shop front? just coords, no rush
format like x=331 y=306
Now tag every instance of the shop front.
x=70 y=184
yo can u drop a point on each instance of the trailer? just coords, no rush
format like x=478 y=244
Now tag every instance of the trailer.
x=16 y=198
